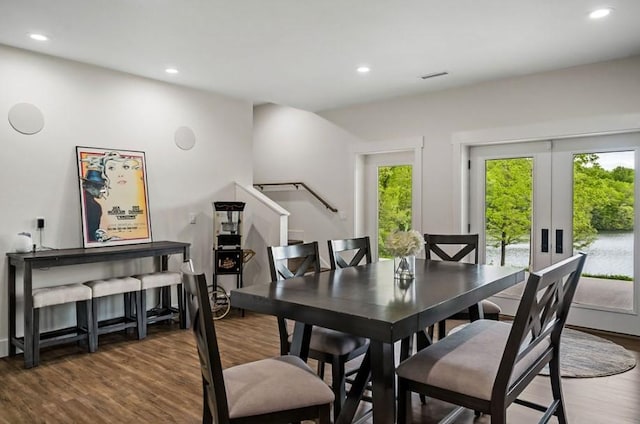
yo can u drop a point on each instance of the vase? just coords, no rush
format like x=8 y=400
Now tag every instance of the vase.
x=404 y=267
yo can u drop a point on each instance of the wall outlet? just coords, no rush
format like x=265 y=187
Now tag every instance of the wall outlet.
x=192 y=218
x=40 y=222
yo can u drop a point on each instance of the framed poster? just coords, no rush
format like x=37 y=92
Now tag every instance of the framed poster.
x=114 y=200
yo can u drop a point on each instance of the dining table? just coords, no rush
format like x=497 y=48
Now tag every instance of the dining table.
x=367 y=301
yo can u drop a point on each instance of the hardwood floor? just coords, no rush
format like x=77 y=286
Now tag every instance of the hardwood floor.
x=157 y=380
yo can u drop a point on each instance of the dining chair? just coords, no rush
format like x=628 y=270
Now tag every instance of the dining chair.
x=357 y=248
x=487 y=364
x=326 y=345
x=274 y=390
x=464 y=244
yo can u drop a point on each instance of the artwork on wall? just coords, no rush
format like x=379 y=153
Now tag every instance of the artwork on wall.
x=114 y=200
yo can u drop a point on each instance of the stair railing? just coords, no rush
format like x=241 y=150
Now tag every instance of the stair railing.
x=297 y=185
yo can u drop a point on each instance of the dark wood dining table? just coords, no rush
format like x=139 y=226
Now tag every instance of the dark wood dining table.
x=366 y=301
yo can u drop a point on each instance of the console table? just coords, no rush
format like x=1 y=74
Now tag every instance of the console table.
x=64 y=257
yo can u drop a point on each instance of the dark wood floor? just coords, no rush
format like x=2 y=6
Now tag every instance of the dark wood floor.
x=157 y=381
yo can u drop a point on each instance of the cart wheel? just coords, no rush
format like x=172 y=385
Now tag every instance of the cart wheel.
x=220 y=303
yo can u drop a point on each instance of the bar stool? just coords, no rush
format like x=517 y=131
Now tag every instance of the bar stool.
x=129 y=287
x=162 y=280
x=50 y=296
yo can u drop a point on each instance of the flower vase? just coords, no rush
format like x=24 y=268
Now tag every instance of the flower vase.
x=404 y=267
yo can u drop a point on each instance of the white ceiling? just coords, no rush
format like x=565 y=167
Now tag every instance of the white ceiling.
x=304 y=53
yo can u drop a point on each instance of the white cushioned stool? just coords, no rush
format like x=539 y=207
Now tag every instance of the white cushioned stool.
x=129 y=287
x=58 y=295
x=162 y=280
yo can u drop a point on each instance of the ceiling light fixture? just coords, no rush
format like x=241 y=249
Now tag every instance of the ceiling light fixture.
x=171 y=71
x=600 y=13
x=363 y=69
x=38 y=37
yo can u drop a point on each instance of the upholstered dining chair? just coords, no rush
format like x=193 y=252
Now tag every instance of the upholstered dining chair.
x=358 y=248
x=274 y=390
x=465 y=244
x=326 y=345
x=487 y=364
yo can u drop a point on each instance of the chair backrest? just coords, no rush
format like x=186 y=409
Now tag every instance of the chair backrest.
x=197 y=299
x=308 y=260
x=359 y=247
x=537 y=326
x=468 y=243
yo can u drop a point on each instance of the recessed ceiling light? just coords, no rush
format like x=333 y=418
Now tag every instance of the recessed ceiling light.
x=38 y=37
x=600 y=13
x=363 y=69
x=171 y=71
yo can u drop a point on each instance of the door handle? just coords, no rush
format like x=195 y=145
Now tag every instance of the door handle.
x=545 y=241
x=559 y=241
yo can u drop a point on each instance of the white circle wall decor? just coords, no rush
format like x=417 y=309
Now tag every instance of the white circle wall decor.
x=185 y=138
x=26 y=118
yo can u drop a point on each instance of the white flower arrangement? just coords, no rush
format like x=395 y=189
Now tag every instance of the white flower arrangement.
x=404 y=243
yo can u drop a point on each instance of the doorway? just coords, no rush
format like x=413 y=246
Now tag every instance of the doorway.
x=536 y=203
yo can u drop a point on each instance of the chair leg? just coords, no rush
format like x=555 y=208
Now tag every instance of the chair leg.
x=499 y=415
x=36 y=336
x=207 y=417
x=403 y=404
x=320 y=369
x=556 y=388
x=337 y=384
x=422 y=342
x=442 y=329
x=324 y=414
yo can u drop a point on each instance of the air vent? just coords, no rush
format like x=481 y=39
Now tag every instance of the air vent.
x=437 y=74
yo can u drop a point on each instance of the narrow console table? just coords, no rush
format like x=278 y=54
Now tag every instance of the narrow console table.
x=63 y=257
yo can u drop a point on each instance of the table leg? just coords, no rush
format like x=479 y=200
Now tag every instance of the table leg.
x=301 y=339
x=383 y=382
x=11 y=286
x=28 y=316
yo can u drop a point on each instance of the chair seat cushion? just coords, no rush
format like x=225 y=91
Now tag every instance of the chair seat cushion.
x=112 y=286
x=274 y=384
x=333 y=342
x=488 y=307
x=48 y=296
x=159 y=279
x=467 y=361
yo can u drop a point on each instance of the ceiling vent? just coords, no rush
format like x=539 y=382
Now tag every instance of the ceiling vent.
x=437 y=74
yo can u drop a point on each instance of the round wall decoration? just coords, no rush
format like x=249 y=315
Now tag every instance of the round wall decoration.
x=26 y=118
x=185 y=138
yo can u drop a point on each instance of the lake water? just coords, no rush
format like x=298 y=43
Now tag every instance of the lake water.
x=611 y=253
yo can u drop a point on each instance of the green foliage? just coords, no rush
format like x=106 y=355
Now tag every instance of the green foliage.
x=394 y=202
x=508 y=201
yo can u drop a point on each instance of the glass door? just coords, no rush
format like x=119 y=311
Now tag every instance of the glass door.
x=389 y=197
x=537 y=203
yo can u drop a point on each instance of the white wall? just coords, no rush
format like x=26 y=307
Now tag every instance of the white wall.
x=580 y=95
x=90 y=106
x=294 y=145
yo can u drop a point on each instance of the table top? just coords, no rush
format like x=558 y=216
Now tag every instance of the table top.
x=368 y=302
x=59 y=257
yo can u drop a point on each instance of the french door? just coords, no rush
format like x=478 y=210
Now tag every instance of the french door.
x=536 y=203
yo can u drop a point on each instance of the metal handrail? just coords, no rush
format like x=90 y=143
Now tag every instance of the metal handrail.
x=297 y=185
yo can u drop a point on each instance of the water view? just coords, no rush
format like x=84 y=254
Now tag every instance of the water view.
x=610 y=254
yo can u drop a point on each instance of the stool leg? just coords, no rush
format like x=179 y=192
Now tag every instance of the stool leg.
x=141 y=313
x=94 y=322
x=128 y=307
x=36 y=337
x=92 y=330
x=81 y=321
x=181 y=314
